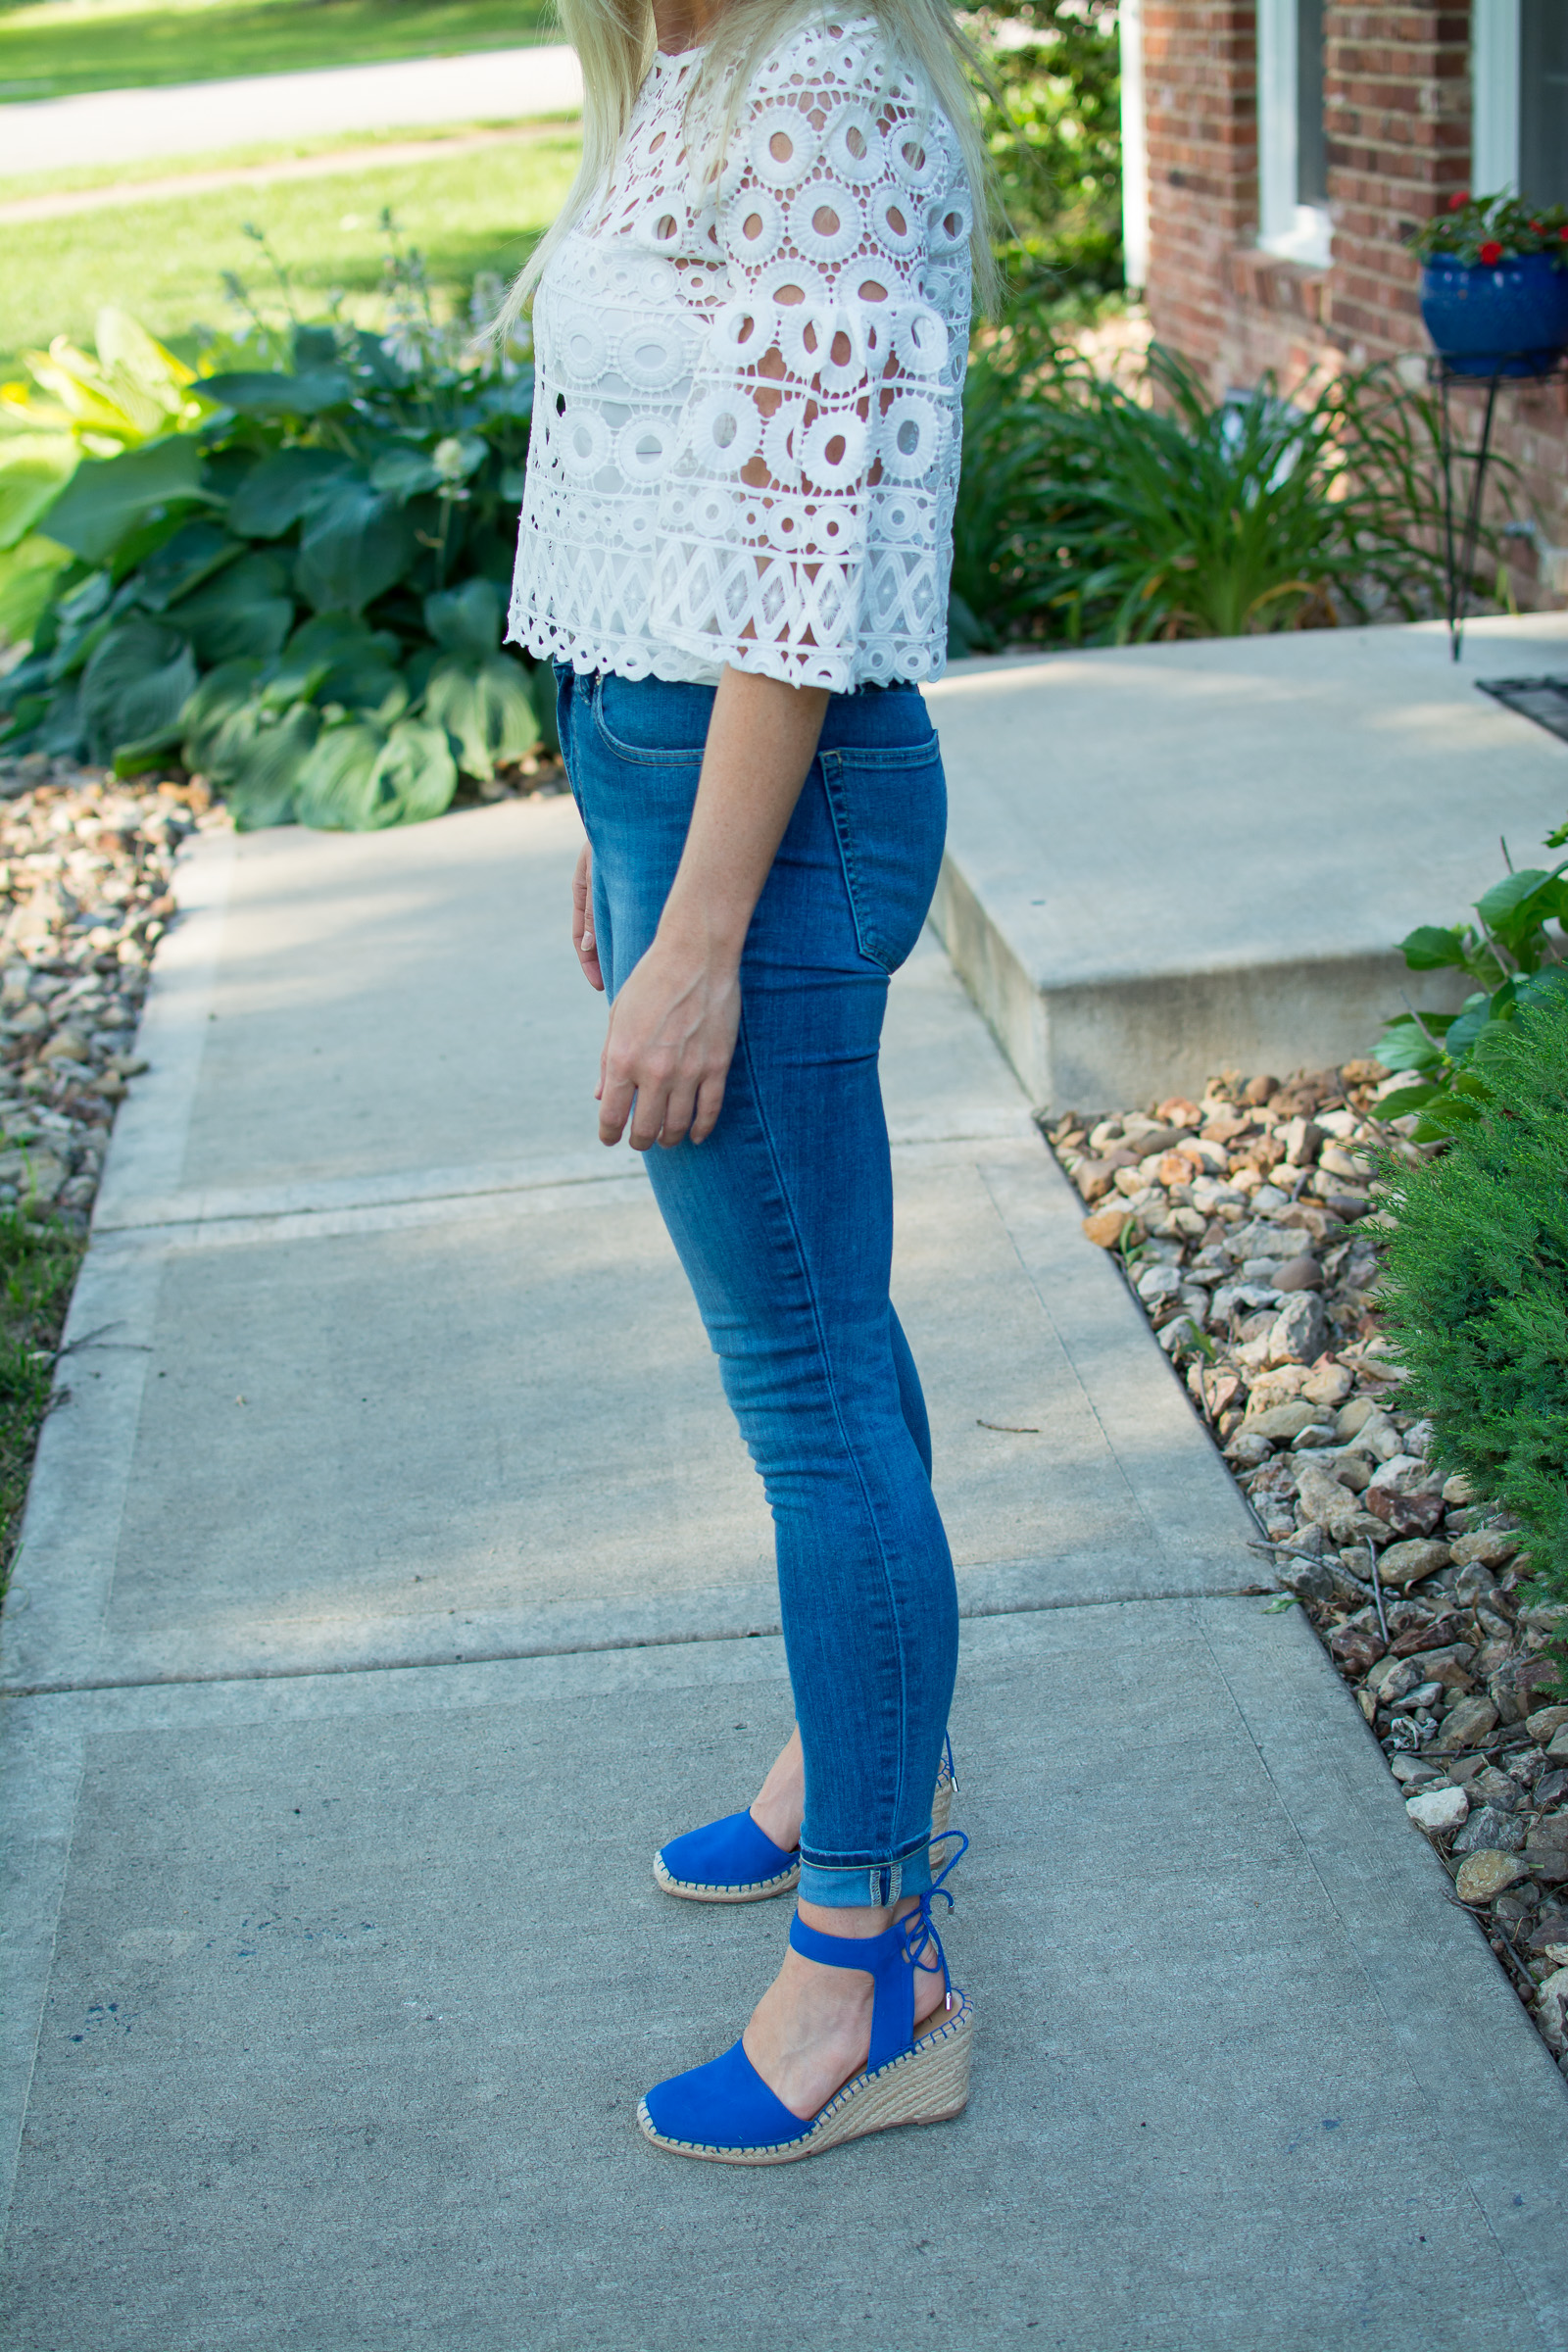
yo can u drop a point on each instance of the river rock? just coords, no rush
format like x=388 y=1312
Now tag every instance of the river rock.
x=1408 y=1563
x=1551 y=1928
x=1467 y=1722
x=1488 y=1547
x=1438 y=1810
x=1544 y=1721
x=1281 y=1422
x=1155 y=1283
x=1391 y=1678
x=1094 y=1178
x=1263 y=1239
x=1356 y=1649
x=1404 y=1514
x=1551 y=2011
x=1447 y=1665
x=1328 y=1383
x=43 y=1176
x=1486 y=1874
x=66 y=1044
x=1490 y=1830
x=1300 y=1332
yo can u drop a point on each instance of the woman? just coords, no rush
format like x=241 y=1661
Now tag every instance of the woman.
x=751 y=331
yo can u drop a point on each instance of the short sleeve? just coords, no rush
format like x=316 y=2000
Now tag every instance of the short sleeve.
x=804 y=529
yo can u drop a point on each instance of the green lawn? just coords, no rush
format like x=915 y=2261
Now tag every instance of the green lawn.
x=37 y=1268
x=49 y=48
x=161 y=260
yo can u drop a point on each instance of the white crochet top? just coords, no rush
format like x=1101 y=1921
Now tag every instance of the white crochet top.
x=747 y=412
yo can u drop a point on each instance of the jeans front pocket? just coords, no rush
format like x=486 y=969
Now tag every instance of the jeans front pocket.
x=653 y=722
x=890 y=813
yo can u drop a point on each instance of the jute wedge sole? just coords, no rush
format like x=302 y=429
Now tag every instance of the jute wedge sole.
x=926 y=2083
x=761 y=1889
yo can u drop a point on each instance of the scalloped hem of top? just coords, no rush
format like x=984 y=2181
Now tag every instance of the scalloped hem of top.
x=677 y=666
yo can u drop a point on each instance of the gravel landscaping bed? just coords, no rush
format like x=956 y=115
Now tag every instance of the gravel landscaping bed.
x=86 y=872
x=1246 y=1226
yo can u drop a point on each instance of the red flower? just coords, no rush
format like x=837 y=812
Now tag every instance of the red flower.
x=1563 y=232
x=1456 y=204
x=1491 y=252
x=1538 y=228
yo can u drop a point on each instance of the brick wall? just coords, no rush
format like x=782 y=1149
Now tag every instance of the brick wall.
x=1397 y=116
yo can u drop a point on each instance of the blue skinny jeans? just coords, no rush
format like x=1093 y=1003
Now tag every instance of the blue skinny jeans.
x=783 y=1221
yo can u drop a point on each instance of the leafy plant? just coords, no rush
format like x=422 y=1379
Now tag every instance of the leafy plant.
x=1476 y=1289
x=77 y=405
x=1087 y=514
x=300 y=589
x=1483 y=230
x=1514 y=953
x=1052 y=124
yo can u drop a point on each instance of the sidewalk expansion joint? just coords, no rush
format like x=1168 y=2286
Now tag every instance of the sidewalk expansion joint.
x=76 y=1686
x=197 y=1218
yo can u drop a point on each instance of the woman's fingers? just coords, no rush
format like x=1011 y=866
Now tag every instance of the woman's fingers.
x=582 y=918
x=616 y=1098
x=710 y=1102
x=678 y=1112
x=672 y=1035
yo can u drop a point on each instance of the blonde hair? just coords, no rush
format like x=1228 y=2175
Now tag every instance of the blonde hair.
x=616 y=43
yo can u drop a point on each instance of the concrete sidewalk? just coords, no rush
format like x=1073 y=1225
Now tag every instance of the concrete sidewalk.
x=200 y=118
x=393 y=1581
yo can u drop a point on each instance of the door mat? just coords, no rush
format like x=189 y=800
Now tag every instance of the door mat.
x=1544 y=700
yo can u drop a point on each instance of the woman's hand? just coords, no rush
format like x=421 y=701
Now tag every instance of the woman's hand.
x=582 y=918
x=672 y=1031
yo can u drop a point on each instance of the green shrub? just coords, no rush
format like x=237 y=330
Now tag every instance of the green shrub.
x=1088 y=516
x=1052 y=124
x=300 y=591
x=1513 y=951
x=1476 y=1286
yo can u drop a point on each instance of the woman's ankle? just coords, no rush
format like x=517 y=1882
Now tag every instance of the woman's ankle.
x=857 y=1920
x=780 y=1803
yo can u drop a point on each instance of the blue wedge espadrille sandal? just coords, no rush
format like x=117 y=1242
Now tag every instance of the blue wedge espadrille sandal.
x=727 y=2113
x=733 y=1861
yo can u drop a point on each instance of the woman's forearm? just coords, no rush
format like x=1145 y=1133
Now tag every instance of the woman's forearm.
x=673 y=1027
x=761 y=740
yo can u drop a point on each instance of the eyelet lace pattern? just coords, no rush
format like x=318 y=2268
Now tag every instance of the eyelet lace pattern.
x=747 y=412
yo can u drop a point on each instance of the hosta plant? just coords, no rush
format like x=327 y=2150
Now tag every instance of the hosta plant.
x=299 y=591
x=79 y=404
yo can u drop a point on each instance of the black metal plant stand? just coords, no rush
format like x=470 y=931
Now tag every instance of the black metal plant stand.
x=1459 y=554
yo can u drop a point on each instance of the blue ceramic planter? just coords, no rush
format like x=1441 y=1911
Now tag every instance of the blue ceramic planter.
x=1508 y=318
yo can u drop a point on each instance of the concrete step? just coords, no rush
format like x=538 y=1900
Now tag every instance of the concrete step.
x=1169 y=859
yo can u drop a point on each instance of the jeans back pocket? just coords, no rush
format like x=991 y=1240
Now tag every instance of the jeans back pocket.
x=890 y=813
